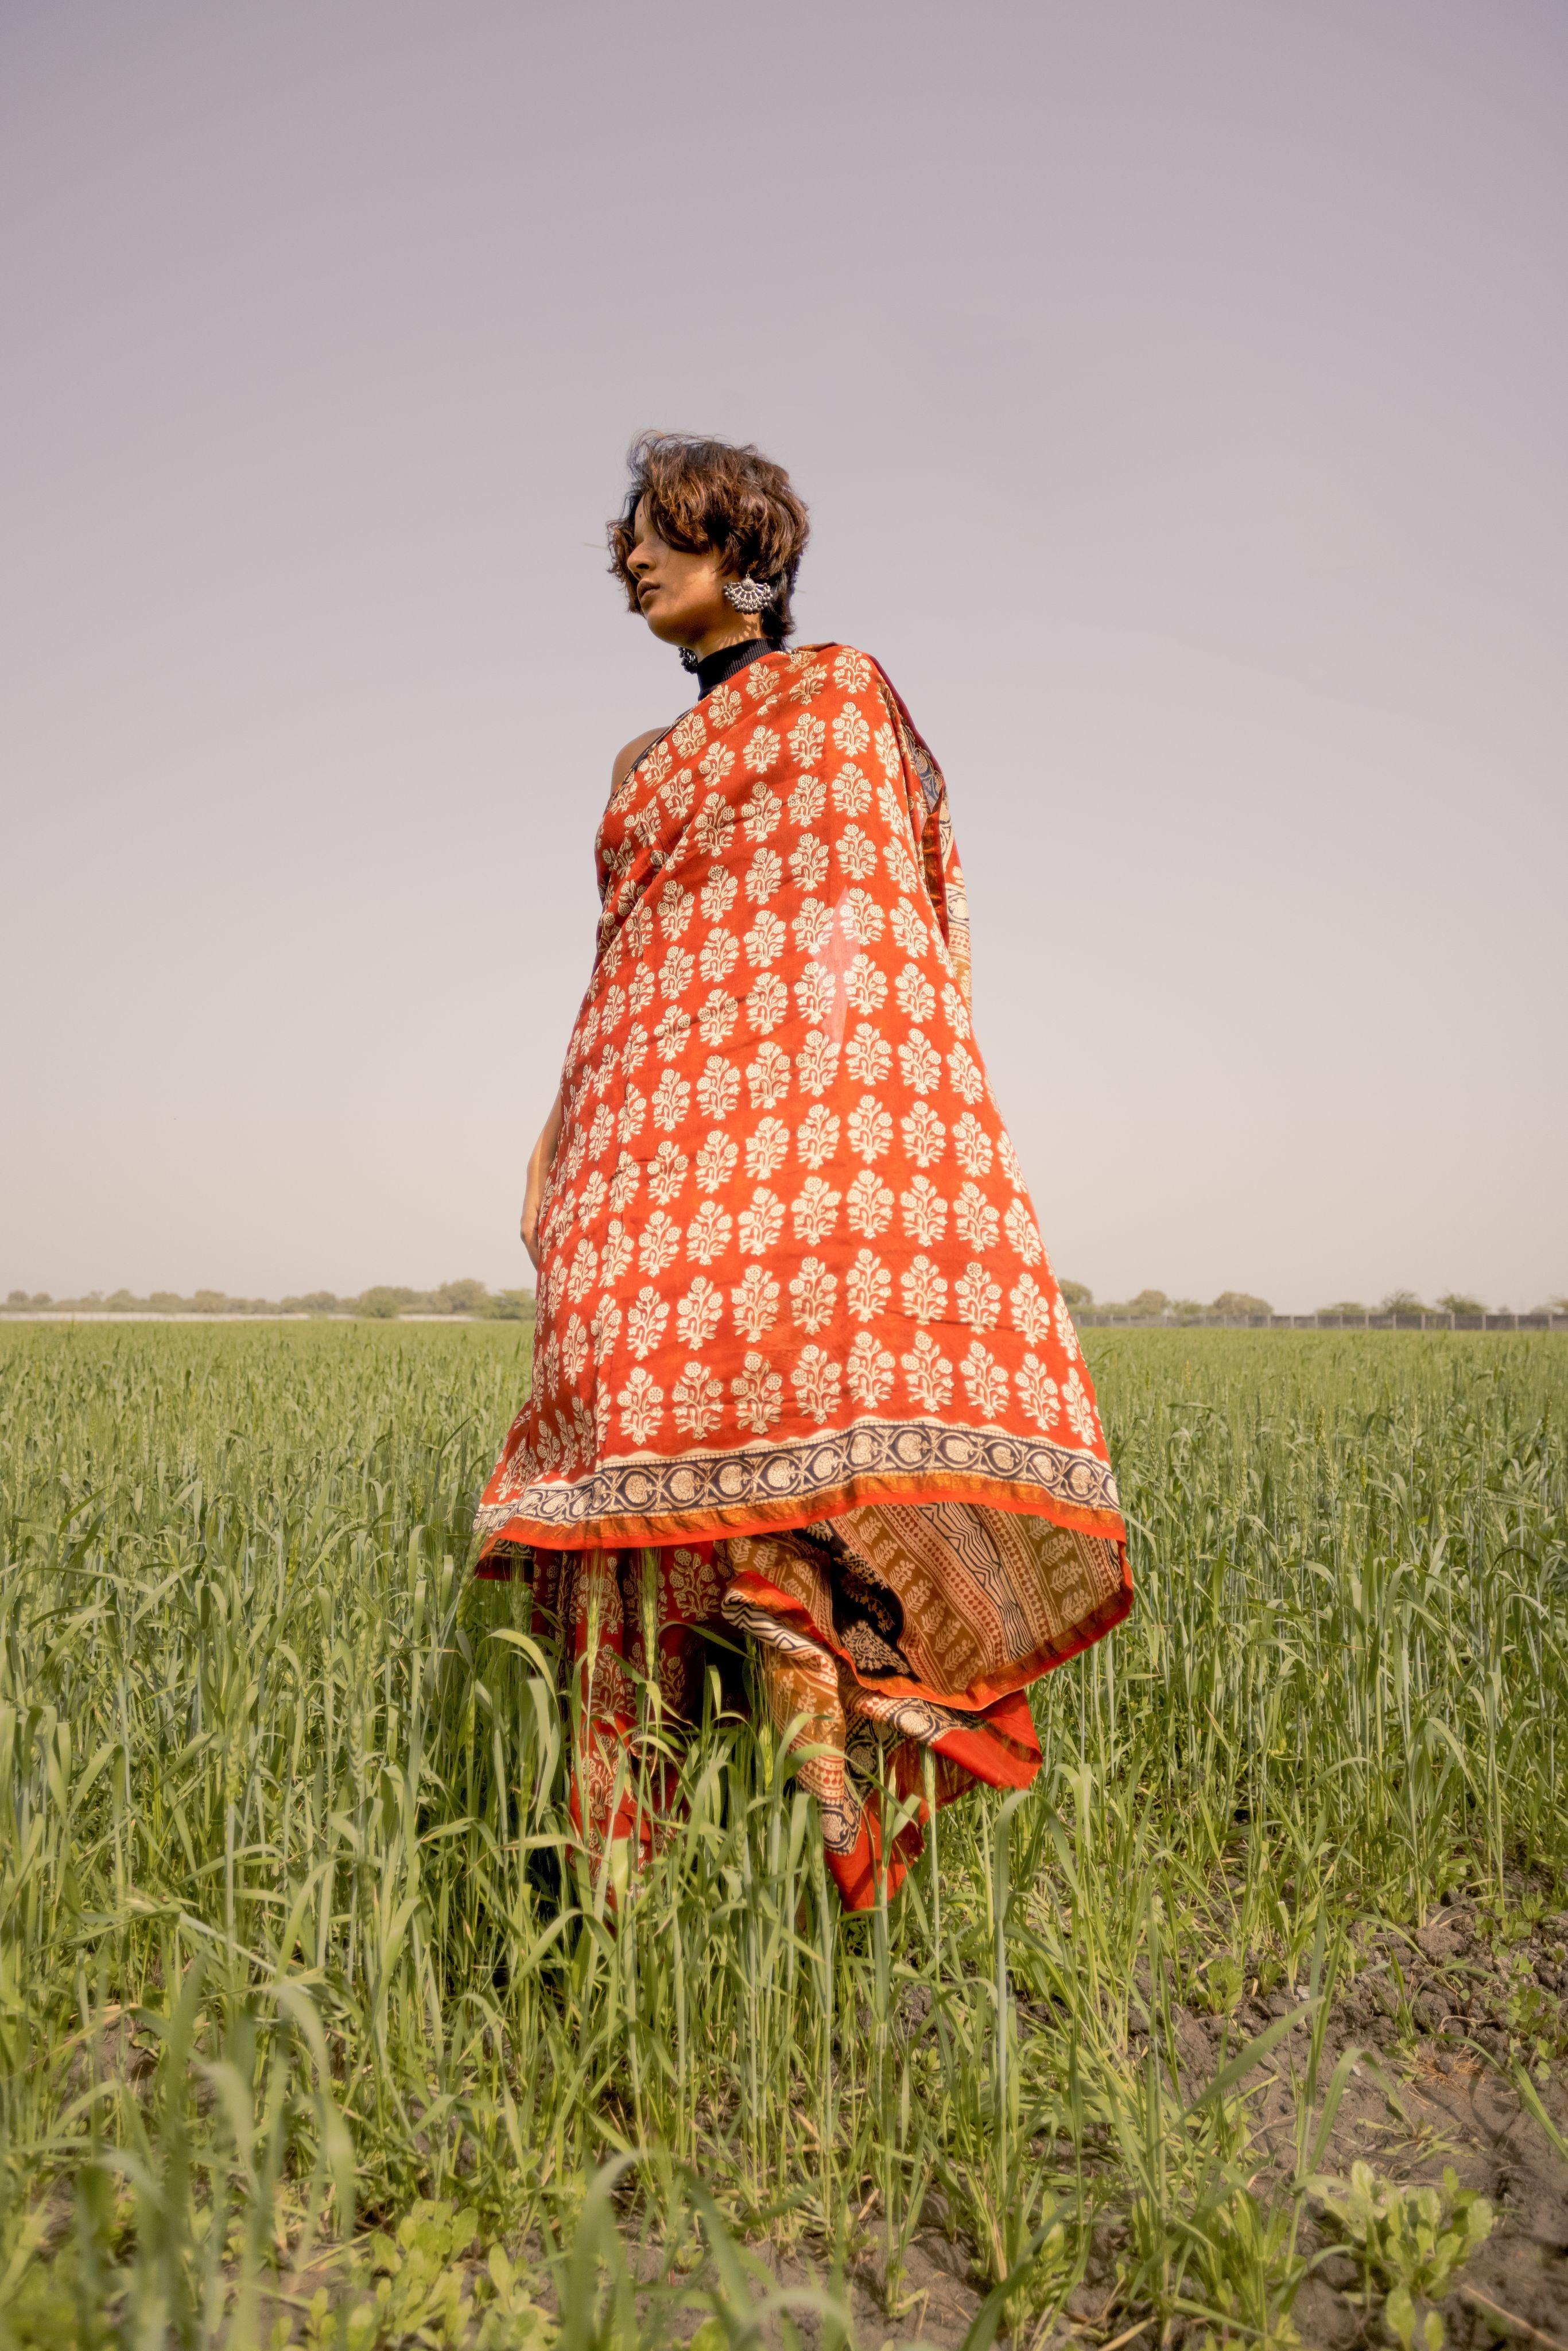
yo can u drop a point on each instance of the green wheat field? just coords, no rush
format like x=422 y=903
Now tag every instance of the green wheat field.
x=317 y=2028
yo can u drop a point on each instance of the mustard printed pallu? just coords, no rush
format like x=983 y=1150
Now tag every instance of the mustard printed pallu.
x=802 y=1369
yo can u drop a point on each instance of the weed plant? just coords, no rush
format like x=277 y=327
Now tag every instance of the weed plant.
x=296 y=1946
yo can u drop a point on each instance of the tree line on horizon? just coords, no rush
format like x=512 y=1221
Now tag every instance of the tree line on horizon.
x=469 y=1299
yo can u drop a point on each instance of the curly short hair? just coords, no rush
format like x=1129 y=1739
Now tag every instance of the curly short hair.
x=721 y=496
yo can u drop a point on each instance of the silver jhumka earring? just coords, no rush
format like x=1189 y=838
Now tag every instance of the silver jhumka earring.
x=749 y=595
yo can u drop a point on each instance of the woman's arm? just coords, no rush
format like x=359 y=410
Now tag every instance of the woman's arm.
x=539 y=1160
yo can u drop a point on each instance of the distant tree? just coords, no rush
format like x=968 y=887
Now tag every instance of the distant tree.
x=41 y=1298
x=512 y=1306
x=166 y=1301
x=16 y=1297
x=1454 y=1301
x=1188 y=1309
x=1149 y=1304
x=1345 y=1306
x=1076 y=1293
x=209 y=1301
x=1239 y=1305
x=314 y=1301
x=1402 y=1302
x=459 y=1298
x=381 y=1304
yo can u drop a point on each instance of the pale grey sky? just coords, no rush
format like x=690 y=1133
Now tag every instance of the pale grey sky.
x=1178 y=393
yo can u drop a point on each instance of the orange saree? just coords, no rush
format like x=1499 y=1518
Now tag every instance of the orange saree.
x=801 y=1370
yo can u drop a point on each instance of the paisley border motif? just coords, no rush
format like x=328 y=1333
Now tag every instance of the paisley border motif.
x=808 y=1471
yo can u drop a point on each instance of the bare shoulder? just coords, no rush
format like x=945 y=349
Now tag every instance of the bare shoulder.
x=630 y=753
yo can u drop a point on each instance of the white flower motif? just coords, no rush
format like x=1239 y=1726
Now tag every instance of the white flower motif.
x=870 y=1129
x=584 y=1266
x=763 y=811
x=1011 y=1167
x=1080 y=1411
x=645 y=1319
x=768 y=1002
x=815 y=992
x=985 y=1380
x=759 y=682
x=603 y=1131
x=639 y=989
x=901 y=869
x=867 y=1286
x=699 y=1401
x=707 y=1235
x=869 y=1205
x=758 y=1391
x=689 y=735
x=595 y=1192
x=605 y=1070
x=975 y=1217
x=924 y=1291
x=852 y=735
x=672 y=1034
x=763 y=875
x=909 y=929
x=715 y=1161
x=886 y=747
x=812 y=925
x=638 y=932
x=605 y=1326
x=811 y=1294
x=716 y=1018
x=724 y=707
x=762 y=750
x=699 y=1313
x=678 y=795
x=815 y=1379
x=634 y=1051
x=633 y=1112
x=767 y=1149
x=973 y=1145
x=861 y=918
x=1066 y=1336
x=671 y=1099
x=660 y=1244
x=924 y=1135
x=768 y=1076
x=1023 y=1233
x=715 y=824
x=720 y=893
x=865 y=985
x=958 y=1012
x=851 y=792
x=667 y=1173
x=808 y=800
x=816 y=1210
x=754 y=1299
x=721 y=953
x=718 y=1088
x=675 y=908
x=808 y=737
x=928 y=1373
x=869 y=1371
x=856 y=853
x=641 y=1404
x=765 y=939
x=655 y=764
x=979 y=1298
x=809 y=862
x=817 y=1062
x=967 y=1077
x=816 y=1136
x=574 y=1350
x=1038 y=1391
x=1030 y=1312
x=612 y=1012
x=867 y=1056
x=920 y=1062
x=852 y=671
x=761 y=1223
x=716 y=763
x=925 y=1211
x=917 y=996
x=623 y=1184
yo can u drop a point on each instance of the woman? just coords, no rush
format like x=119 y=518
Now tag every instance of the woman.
x=801 y=1371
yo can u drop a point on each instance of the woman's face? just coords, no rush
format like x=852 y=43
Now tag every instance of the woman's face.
x=681 y=596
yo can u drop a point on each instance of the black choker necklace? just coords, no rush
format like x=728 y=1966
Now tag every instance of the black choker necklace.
x=725 y=662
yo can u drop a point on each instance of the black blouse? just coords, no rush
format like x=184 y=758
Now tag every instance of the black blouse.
x=728 y=660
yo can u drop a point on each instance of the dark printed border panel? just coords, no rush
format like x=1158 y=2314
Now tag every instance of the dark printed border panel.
x=763 y=1477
